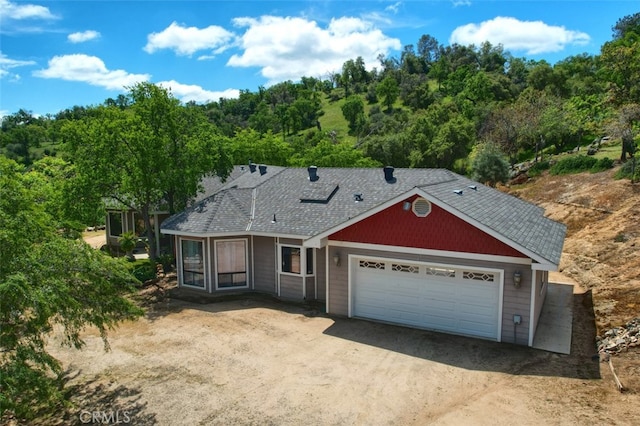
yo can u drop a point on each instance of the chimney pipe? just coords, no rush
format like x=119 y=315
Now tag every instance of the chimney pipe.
x=313 y=173
x=263 y=169
x=388 y=174
x=252 y=167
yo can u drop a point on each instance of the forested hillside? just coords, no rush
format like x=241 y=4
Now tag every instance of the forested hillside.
x=432 y=106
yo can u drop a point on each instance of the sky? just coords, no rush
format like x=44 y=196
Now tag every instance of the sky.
x=58 y=54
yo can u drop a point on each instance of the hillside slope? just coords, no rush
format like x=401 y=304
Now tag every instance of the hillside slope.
x=603 y=237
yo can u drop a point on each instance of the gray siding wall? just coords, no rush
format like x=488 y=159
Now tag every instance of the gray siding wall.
x=321 y=273
x=291 y=287
x=264 y=264
x=538 y=298
x=310 y=284
x=515 y=300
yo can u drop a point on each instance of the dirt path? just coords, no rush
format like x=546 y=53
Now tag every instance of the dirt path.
x=257 y=361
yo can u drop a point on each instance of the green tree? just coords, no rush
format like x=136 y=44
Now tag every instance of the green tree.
x=353 y=112
x=150 y=155
x=47 y=281
x=489 y=165
x=389 y=91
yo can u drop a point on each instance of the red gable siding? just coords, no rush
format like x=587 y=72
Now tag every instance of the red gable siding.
x=440 y=230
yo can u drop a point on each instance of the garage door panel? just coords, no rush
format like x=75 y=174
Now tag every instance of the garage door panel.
x=460 y=303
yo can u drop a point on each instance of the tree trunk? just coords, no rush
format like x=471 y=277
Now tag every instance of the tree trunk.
x=151 y=232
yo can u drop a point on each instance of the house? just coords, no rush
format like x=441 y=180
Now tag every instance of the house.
x=425 y=248
x=121 y=218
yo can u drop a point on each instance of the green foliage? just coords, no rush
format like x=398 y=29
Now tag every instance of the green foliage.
x=538 y=168
x=580 y=163
x=489 y=165
x=353 y=112
x=389 y=91
x=128 y=241
x=47 y=281
x=143 y=270
x=629 y=170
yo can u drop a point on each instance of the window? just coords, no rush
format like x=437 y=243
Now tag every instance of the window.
x=309 y=261
x=290 y=259
x=231 y=263
x=192 y=263
x=115 y=224
x=139 y=227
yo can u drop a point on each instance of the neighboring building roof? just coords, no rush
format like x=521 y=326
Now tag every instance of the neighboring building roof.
x=303 y=208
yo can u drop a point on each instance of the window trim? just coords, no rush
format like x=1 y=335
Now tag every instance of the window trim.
x=204 y=264
x=303 y=261
x=121 y=223
x=246 y=263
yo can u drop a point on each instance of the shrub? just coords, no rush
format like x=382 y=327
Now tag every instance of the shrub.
x=573 y=164
x=538 y=168
x=602 y=164
x=143 y=270
x=627 y=170
x=489 y=165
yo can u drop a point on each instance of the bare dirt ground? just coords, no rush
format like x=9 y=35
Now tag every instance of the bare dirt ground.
x=254 y=360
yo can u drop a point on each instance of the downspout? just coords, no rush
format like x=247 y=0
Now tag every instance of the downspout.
x=532 y=308
x=326 y=279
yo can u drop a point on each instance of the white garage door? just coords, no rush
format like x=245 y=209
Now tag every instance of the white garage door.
x=455 y=300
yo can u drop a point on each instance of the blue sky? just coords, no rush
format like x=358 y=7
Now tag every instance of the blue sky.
x=57 y=54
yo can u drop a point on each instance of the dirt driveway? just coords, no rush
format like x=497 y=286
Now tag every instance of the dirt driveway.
x=259 y=361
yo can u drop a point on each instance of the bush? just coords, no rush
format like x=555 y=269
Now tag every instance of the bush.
x=573 y=164
x=627 y=169
x=538 y=168
x=603 y=164
x=489 y=165
x=143 y=270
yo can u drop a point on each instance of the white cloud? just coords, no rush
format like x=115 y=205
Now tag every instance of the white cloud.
x=533 y=37
x=457 y=3
x=15 y=11
x=6 y=64
x=89 y=69
x=81 y=37
x=190 y=92
x=287 y=48
x=393 y=7
x=188 y=40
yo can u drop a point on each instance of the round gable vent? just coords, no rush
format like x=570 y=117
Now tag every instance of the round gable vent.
x=421 y=207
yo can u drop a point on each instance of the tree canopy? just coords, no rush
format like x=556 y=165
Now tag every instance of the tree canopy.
x=47 y=280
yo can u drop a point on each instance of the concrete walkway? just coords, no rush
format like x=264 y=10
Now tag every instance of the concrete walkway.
x=555 y=324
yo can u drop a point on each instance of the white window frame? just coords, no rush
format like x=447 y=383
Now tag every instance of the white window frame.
x=303 y=261
x=246 y=263
x=121 y=223
x=204 y=264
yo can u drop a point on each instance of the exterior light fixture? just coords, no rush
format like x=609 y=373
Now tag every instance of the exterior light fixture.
x=406 y=206
x=517 y=279
x=336 y=259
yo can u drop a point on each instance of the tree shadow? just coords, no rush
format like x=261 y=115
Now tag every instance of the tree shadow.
x=97 y=402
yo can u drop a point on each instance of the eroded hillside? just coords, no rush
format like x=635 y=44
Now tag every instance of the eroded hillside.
x=601 y=251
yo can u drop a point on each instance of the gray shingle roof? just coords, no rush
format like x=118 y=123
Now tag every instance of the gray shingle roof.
x=306 y=209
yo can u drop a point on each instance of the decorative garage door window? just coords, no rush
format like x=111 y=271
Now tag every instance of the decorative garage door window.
x=478 y=276
x=412 y=269
x=441 y=272
x=371 y=265
x=429 y=270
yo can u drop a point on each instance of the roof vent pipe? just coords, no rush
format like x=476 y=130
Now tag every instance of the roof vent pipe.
x=252 y=167
x=313 y=173
x=388 y=174
x=263 y=169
